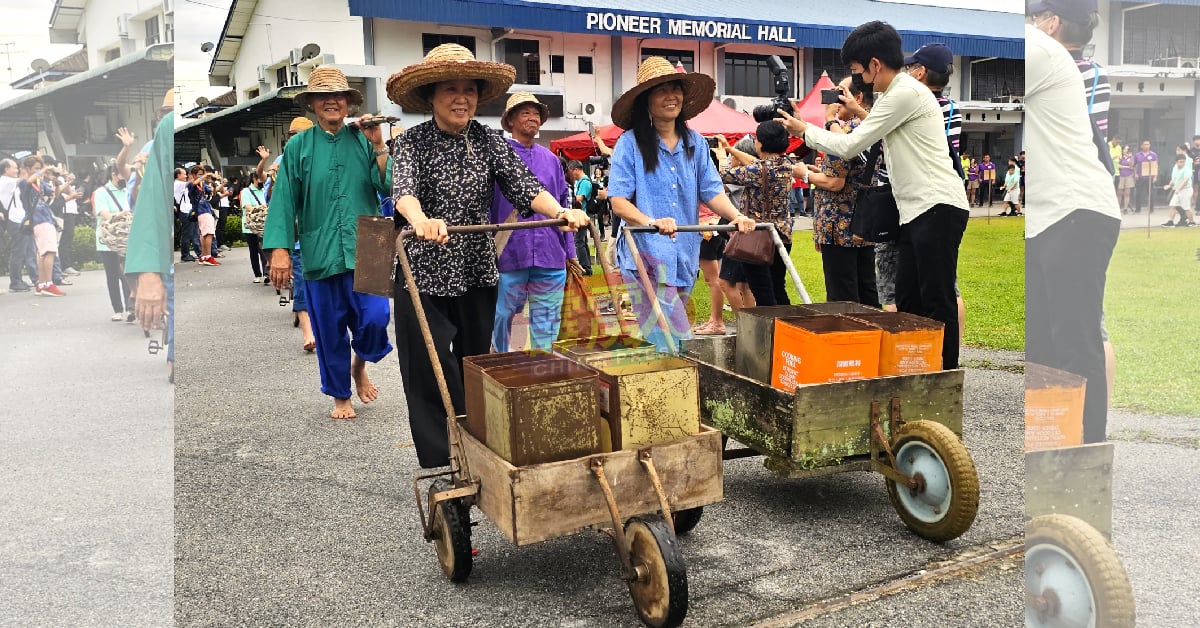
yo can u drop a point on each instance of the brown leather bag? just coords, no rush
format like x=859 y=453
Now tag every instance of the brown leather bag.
x=755 y=247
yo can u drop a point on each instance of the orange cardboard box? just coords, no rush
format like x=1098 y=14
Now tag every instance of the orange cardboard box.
x=1053 y=408
x=911 y=344
x=822 y=349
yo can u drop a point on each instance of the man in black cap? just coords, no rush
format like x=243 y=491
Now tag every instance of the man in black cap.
x=932 y=65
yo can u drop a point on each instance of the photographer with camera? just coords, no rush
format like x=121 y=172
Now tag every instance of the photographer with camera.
x=928 y=193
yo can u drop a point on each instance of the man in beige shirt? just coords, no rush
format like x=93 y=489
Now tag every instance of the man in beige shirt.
x=928 y=191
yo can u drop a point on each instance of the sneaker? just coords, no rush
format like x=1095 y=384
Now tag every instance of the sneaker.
x=51 y=290
x=70 y=271
x=20 y=287
x=258 y=280
x=209 y=261
x=219 y=254
x=118 y=317
x=1168 y=224
x=1191 y=224
x=187 y=259
x=63 y=281
x=129 y=317
x=222 y=248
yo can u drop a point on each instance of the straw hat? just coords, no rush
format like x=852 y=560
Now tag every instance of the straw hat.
x=329 y=80
x=698 y=90
x=168 y=100
x=518 y=99
x=444 y=63
x=299 y=124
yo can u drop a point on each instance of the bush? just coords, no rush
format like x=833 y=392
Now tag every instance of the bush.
x=83 y=248
x=232 y=231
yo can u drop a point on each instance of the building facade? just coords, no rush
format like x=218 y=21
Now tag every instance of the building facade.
x=579 y=59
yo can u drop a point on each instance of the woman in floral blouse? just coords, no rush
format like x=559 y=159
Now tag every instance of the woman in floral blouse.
x=847 y=260
x=444 y=174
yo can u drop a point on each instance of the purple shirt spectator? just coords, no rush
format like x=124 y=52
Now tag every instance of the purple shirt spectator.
x=535 y=248
x=1139 y=158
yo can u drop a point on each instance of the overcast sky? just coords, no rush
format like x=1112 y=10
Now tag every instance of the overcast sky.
x=26 y=27
x=196 y=21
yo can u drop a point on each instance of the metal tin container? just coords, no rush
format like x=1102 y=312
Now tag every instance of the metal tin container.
x=473 y=369
x=649 y=401
x=541 y=411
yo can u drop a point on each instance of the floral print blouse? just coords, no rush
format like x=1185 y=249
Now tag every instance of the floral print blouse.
x=779 y=187
x=831 y=220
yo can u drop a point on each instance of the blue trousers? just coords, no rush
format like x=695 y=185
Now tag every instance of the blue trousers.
x=299 y=303
x=543 y=288
x=335 y=309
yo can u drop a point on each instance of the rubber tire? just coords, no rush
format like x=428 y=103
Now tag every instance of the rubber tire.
x=452 y=523
x=1103 y=569
x=652 y=545
x=964 y=481
x=687 y=519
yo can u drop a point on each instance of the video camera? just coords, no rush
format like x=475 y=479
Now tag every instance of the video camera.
x=783 y=87
x=600 y=160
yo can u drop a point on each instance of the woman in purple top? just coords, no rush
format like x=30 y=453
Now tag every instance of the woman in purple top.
x=532 y=262
x=973 y=182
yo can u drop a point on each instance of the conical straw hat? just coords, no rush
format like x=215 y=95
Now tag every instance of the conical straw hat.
x=698 y=90
x=443 y=63
x=329 y=80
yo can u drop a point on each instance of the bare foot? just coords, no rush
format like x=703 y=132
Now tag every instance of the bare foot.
x=362 y=384
x=342 y=410
x=310 y=344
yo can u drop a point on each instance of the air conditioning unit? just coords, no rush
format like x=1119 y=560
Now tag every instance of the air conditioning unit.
x=324 y=58
x=1176 y=62
x=262 y=74
x=294 y=57
x=123 y=25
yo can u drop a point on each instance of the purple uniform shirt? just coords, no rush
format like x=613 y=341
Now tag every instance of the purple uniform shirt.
x=545 y=247
x=1140 y=157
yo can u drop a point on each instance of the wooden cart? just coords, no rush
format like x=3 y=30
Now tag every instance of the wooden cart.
x=1073 y=576
x=907 y=428
x=630 y=492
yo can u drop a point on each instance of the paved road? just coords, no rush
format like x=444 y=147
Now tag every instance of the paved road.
x=85 y=465
x=285 y=516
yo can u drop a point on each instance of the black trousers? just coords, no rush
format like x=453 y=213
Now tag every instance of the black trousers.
x=66 y=243
x=768 y=282
x=22 y=255
x=850 y=274
x=582 y=251
x=118 y=290
x=1065 y=268
x=461 y=326
x=925 y=270
x=254 y=241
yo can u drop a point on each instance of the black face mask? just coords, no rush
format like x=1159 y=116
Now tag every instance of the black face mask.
x=121 y=184
x=861 y=85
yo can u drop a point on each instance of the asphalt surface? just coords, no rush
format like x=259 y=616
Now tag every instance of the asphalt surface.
x=284 y=516
x=85 y=465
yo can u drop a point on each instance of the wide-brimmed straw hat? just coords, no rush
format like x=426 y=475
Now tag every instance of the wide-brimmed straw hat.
x=168 y=99
x=518 y=99
x=329 y=80
x=698 y=90
x=445 y=63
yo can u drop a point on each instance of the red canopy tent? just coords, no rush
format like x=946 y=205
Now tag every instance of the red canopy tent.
x=811 y=109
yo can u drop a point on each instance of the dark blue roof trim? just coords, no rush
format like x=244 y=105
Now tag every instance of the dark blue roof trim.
x=542 y=16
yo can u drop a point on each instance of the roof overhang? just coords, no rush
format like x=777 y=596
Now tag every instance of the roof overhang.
x=237 y=22
x=144 y=76
x=272 y=110
x=968 y=32
x=64 y=21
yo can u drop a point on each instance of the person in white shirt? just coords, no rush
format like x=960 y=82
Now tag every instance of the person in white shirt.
x=927 y=189
x=189 y=229
x=1072 y=221
x=70 y=195
x=108 y=201
x=22 y=251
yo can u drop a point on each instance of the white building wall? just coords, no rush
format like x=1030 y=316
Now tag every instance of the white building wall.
x=269 y=42
x=99 y=26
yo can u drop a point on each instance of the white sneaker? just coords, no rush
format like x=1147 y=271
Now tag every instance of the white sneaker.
x=258 y=280
x=70 y=271
x=118 y=317
x=222 y=248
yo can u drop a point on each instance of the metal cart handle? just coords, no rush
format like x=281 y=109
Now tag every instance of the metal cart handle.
x=648 y=286
x=458 y=459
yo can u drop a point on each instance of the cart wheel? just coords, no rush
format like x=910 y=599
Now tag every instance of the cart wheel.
x=687 y=519
x=943 y=505
x=660 y=594
x=1073 y=577
x=452 y=526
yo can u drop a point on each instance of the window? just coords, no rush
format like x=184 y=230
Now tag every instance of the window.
x=557 y=64
x=112 y=54
x=281 y=76
x=153 y=35
x=997 y=78
x=169 y=32
x=1161 y=33
x=522 y=54
x=585 y=65
x=429 y=41
x=686 y=57
x=828 y=60
x=251 y=94
x=749 y=75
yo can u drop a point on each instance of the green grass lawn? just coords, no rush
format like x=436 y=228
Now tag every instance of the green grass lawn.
x=1152 y=317
x=991 y=275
